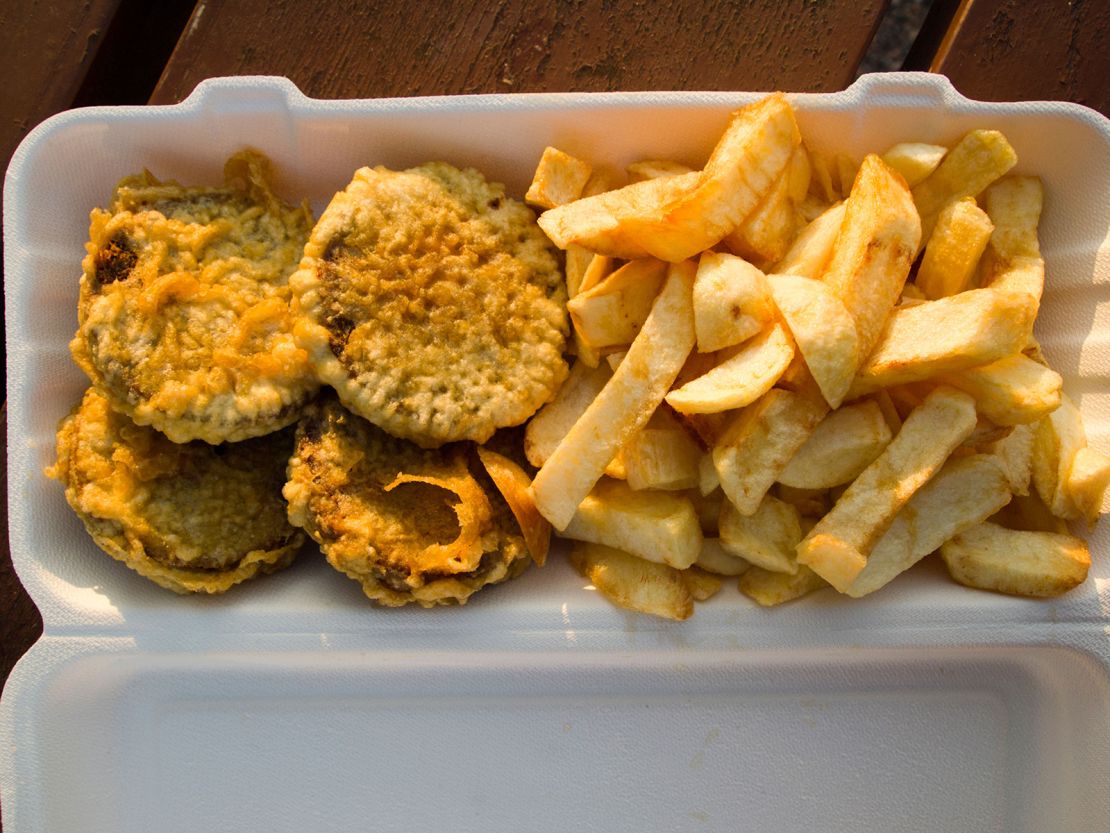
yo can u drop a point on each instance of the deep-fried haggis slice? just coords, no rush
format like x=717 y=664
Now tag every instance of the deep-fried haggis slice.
x=409 y=524
x=193 y=517
x=433 y=304
x=184 y=308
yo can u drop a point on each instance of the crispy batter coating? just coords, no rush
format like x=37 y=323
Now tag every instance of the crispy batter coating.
x=184 y=308
x=409 y=524
x=193 y=518
x=433 y=304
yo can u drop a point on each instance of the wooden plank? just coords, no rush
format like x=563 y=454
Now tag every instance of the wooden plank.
x=1015 y=50
x=351 y=49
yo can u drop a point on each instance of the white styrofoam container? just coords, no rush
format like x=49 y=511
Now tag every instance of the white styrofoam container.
x=291 y=704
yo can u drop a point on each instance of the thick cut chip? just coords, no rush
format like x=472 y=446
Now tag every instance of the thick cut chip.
x=1012 y=391
x=845 y=443
x=714 y=558
x=553 y=422
x=1087 y=482
x=1028 y=512
x=513 y=482
x=739 y=380
x=624 y=405
x=1014 y=255
x=1057 y=440
x=577 y=262
x=914 y=160
x=559 y=179
x=633 y=583
x=836 y=548
x=654 y=525
x=702 y=584
x=766 y=538
x=662 y=455
x=951 y=334
x=1042 y=564
x=768 y=588
x=731 y=302
x=877 y=243
x=611 y=312
x=965 y=492
x=823 y=330
x=846 y=170
x=759 y=442
x=767 y=232
x=1014 y=453
x=953 y=251
x=822 y=181
x=654 y=169
x=977 y=160
x=810 y=252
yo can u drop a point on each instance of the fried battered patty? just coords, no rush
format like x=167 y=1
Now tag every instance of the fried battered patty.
x=433 y=304
x=408 y=524
x=194 y=518
x=184 y=320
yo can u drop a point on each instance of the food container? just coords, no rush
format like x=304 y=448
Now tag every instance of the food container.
x=292 y=704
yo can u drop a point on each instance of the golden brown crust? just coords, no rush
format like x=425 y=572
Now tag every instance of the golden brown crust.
x=184 y=308
x=433 y=304
x=193 y=518
x=409 y=524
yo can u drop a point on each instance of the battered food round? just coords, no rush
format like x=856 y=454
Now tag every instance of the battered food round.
x=184 y=320
x=409 y=524
x=433 y=304
x=194 y=518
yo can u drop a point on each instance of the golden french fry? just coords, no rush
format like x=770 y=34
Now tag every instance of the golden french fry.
x=822 y=172
x=836 y=548
x=1028 y=512
x=1014 y=255
x=1087 y=482
x=914 y=160
x=846 y=170
x=624 y=405
x=513 y=482
x=951 y=334
x=654 y=169
x=810 y=503
x=1014 y=454
x=769 y=588
x=877 y=243
x=842 y=445
x=708 y=481
x=714 y=558
x=809 y=254
x=759 y=442
x=965 y=492
x=600 y=181
x=633 y=583
x=765 y=234
x=653 y=525
x=1057 y=439
x=554 y=420
x=1017 y=562
x=662 y=455
x=977 y=160
x=702 y=584
x=823 y=329
x=559 y=179
x=953 y=250
x=731 y=302
x=766 y=538
x=1012 y=391
x=739 y=380
x=611 y=312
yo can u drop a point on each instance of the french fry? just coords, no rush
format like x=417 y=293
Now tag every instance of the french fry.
x=513 y=482
x=708 y=507
x=611 y=313
x=654 y=169
x=624 y=405
x=765 y=234
x=714 y=558
x=1087 y=482
x=1028 y=512
x=662 y=455
x=836 y=548
x=731 y=301
x=739 y=380
x=1014 y=454
x=842 y=445
x=554 y=420
x=653 y=525
x=559 y=179
x=965 y=492
x=846 y=170
x=1012 y=391
x=577 y=262
x=1017 y=562
x=809 y=254
x=823 y=329
x=873 y=252
x=633 y=583
x=810 y=503
x=944 y=336
x=708 y=481
x=1014 y=255
x=1057 y=440
x=914 y=160
x=823 y=170
x=768 y=588
x=977 y=160
x=702 y=584
x=759 y=442
x=953 y=250
x=766 y=538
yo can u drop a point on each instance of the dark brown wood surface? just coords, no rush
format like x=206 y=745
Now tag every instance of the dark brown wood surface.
x=1020 y=50
x=364 y=50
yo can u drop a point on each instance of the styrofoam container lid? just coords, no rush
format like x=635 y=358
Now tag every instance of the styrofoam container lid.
x=293 y=704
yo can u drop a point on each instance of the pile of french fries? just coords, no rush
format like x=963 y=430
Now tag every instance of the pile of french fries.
x=802 y=371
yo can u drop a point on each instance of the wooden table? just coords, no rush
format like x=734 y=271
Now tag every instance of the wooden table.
x=102 y=51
